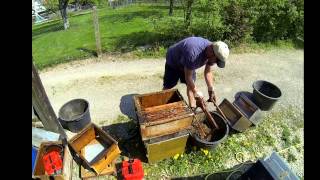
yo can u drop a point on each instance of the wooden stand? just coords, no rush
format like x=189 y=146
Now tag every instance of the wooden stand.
x=109 y=170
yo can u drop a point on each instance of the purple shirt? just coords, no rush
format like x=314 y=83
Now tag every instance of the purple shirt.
x=189 y=53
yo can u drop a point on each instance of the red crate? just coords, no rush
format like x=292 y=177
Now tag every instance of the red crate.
x=132 y=169
x=52 y=162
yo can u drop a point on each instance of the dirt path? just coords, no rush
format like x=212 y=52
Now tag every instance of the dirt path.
x=109 y=83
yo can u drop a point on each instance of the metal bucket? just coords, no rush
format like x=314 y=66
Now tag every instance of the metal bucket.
x=265 y=94
x=74 y=115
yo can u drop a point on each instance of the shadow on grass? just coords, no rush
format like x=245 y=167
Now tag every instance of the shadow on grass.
x=128 y=133
x=129 y=139
x=128 y=16
x=166 y=7
x=130 y=42
x=127 y=107
x=88 y=51
x=80 y=13
x=47 y=28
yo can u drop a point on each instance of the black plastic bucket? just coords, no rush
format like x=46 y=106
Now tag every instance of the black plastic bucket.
x=221 y=134
x=265 y=94
x=74 y=115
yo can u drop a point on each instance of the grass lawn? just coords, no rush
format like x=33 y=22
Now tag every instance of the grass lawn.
x=121 y=29
x=124 y=29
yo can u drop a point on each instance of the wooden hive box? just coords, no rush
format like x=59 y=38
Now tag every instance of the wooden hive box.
x=166 y=146
x=93 y=135
x=110 y=169
x=247 y=107
x=39 y=171
x=235 y=118
x=162 y=113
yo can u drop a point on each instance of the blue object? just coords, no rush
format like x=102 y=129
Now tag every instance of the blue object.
x=270 y=168
x=34 y=156
x=278 y=168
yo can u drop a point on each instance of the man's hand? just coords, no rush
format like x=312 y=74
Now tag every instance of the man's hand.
x=199 y=102
x=198 y=94
x=199 y=98
x=212 y=96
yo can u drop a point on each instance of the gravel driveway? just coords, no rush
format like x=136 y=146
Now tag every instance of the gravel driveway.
x=109 y=83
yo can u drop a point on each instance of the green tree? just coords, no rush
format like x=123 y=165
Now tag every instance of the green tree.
x=237 y=24
x=63 y=4
x=188 y=12
x=171 y=7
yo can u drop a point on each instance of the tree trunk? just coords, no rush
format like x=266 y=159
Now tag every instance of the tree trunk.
x=171 y=8
x=188 y=13
x=77 y=5
x=63 y=10
x=65 y=18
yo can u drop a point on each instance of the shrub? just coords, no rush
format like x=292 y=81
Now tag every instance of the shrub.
x=236 y=19
x=278 y=19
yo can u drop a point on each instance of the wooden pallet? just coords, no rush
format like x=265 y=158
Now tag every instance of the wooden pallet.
x=109 y=170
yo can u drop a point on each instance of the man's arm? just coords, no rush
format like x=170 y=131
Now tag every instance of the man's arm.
x=189 y=80
x=195 y=95
x=208 y=76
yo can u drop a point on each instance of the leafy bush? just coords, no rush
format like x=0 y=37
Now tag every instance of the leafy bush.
x=278 y=19
x=237 y=24
x=207 y=21
x=171 y=29
x=237 y=21
x=99 y=3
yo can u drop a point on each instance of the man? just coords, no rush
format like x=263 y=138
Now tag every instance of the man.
x=184 y=57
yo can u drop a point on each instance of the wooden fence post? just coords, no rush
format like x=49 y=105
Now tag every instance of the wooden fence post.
x=42 y=105
x=96 y=31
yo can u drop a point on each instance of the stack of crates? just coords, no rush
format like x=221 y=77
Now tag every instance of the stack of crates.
x=164 y=118
x=242 y=113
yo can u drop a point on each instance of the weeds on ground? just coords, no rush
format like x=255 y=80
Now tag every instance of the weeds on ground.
x=276 y=132
x=257 y=142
